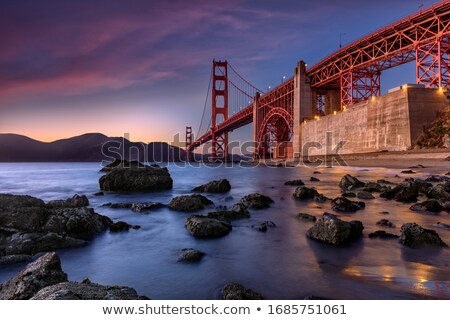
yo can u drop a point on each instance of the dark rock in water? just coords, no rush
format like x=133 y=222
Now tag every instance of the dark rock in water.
x=385 y=223
x=382 y=235
x=256 y=201
x=305 y=193
x=374 y=187
x=238 y=211
x=436 y=178
x=86 y=291
x=440 y=191
x=263 y=226
x=384 y=212
x=429 y=205
x=306 y=217
x=314 y=179
x=349 y=182
x=122 y=164
x=205 y=227
x=75 y=202
x=147 y=178
x=118 y=205
x=448 y=173
x=216 y=186
x=382 y=181
x=349 y=194
x=441 y=225
x=345 y=205
x=189 y=203
x=146 y=206
x=332 y=230
x=120 y=226
x=43 y=272
x=297 y=182
x=414 y=236
x=317 y=172
x=408 y=172
x=365 y=195
x=190 y=255
x=447 y=159
x=99 y=194
x=234 y=291
x=405 y=192
x=413 y=167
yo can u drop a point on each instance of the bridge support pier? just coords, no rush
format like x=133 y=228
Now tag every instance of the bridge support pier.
x=303 y=105
x=257 y=120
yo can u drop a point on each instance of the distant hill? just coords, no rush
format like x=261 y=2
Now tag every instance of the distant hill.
x=84 y=148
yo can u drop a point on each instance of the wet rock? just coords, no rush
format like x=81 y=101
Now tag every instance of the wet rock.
x=317 y=172
x=414 y=236
x=256 y=201
x=305 y=193
x=436 y=178
x=122 y=164
x=385 y=223
x=440 y=191
x=120 y=226
x=447 y=159
x=146 y=206
x=205 y=227
x=99 y=194
x=381 y=234
x=216 y=186
x=408 y=172
x=306 y=217
x=441 y=225
x=349 y=194
x=234 y=291
x=75 y=202
x=147 y=178
x=190 y=255
x=332 y=230
x=297 y=182
x=374 y=187
x=263 y=226
x=189 y=203
x=345 y=205
x=429 y=205
x=314 y=179
x=383 y=181
x=43 y=272
x=86 y=291
x=384 y=212
x=405 y=192
x=349 y=182
x=229 y=214
x=365 y=195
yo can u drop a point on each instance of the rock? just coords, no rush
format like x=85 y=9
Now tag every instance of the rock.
x=43 y=272
x=436 y=178
x=314 y=179
x=429 y=205
x=441 y=225
x=382 y=181
x=349 y=182
x=120 y=226
x=189 y=203
x=345 y=205
x=384 y=212
x=374 y=187
x=216 y=186
x=414 y=236
x=238 y=211
x=234 y=291
x=205 y=227
x=263 y=226
x=447 y=159
x=190 y=255
x=118 y=205
x=75 y=202
x=86 y=291
x=317 y=172
x=405 y=192
x=332 y=230
x=349 y=194
x=408 y=172
x=98 y=194
x=382 y=235
x=305 y=193
x=297 y=182
x=365 y=195
x=146 y=206
x=122 y=164
x=448 y=173
x=385 y=223
x=440 y=191
x=147 y=178
x=306 y=217
x=256 y=201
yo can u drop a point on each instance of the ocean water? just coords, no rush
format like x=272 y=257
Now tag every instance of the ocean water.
x=281 y=263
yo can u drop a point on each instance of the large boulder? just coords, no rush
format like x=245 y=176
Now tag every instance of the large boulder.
x=234 y=291
x=296 y=182
x=345 y=205
x=189 y=203
x=147 y=178
x=205 y=227
x=305 y=193
x=348 y=182
x=405 y=192
x=256 y=201
x=332 y=230
x=428 y=205
x=215 y=186
x=43 y=272
x=75 y=202
x=440 y=191
x=414 y=236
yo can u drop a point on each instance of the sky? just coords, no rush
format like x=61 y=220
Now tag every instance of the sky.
x=142 y=67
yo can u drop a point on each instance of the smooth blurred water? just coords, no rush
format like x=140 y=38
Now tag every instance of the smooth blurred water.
x=280 y=264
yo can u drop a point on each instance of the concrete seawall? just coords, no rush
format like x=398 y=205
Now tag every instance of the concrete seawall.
x=390 y=122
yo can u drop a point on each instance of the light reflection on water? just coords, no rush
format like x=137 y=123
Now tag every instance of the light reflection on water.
x=281 y=264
